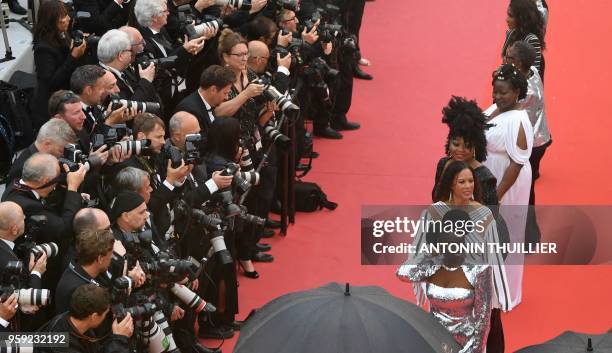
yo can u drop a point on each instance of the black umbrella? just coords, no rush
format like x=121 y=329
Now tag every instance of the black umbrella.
x=573 y=342
x=330 y=319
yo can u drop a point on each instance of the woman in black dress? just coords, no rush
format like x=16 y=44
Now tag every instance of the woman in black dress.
x=466 y=142
x=55 y=56
x=526 y=23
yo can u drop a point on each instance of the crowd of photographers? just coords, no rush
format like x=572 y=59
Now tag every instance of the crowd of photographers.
x=161 y=126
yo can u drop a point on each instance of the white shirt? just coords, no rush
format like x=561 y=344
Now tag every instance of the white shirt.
x=211 y=116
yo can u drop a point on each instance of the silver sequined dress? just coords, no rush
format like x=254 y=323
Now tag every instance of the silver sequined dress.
x=465 y=313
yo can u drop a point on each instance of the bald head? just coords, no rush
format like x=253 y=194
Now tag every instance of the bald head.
x=181 y=124
x=11 y=220
x=136 y=40
x=40 y=168
x=259 y=55
x=90 y=219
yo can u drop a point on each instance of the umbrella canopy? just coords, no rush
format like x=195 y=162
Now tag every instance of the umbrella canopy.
x=573 y=342
x=329 y=320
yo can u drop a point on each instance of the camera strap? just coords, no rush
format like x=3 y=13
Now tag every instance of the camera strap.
x=88 y=280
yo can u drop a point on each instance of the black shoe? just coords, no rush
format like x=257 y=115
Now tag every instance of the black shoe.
x=357 y=73
x=216 y=332
x=267 y=233
x=262 y=257
x=16 y=8
x=198 y=348
x=345 y=125
x=312 y=155
x=263 y=247
x=249 y=274
x=328 y=133
x=271 y=223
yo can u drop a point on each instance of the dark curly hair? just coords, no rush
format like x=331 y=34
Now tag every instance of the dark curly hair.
x=511 y=74
x=466 y=120
x=445 y=185
x=528 y=20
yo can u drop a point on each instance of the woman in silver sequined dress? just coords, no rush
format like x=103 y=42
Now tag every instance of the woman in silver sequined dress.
x=459 y=288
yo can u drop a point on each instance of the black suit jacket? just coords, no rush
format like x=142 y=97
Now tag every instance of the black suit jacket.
x=105 y=15
x=73 y=277
x=17 y=167
x=54 y=66
x=6 y=255
x=59 y=225
x=193 y=104
x=132 y=87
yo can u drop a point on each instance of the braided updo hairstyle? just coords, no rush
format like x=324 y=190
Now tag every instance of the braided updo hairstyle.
x=466 y=120
x=511 y=74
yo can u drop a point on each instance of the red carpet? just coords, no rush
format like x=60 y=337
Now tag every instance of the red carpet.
x=422 y=52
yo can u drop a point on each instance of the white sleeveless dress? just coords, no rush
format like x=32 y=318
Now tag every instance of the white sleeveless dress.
x=501 y=149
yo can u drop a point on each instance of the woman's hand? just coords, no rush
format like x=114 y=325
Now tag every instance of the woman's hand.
x=253 y=90
x=79 y=51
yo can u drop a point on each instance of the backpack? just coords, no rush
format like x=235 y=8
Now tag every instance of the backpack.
x=14 y=106
x=309 y=197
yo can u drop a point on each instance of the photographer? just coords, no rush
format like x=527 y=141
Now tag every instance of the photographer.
x=55 y=56
x=152 y=15
x=41 y=174
x=95 y=253
x=103 y=15
x=51 y=139
x=115 y=55
x=89 y=308
x=11 y=228
x=215 y=85
x=198 y=187
x=93 y=84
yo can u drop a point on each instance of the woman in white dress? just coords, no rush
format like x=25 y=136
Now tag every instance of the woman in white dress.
x=509 y=144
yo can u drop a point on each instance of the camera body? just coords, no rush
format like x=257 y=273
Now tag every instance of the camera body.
x=12 y=281
x=167 y=63
x=173 y=154
x=194 y=144
x=192 y=26
x=78 y=37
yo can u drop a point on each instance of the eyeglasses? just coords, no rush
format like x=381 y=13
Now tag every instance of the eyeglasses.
x=142 y=42
x=260 y=57
x=240 y=55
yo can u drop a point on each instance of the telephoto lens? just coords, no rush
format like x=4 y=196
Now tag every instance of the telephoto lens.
x=153 y=336
x=219 y=249
x=7 y=347
x=50 y=249
x=162 y=322
x=282 y=141
x=190 y=298
x=31 y=296
x=137 y=147
x=141 y=107
x=237 y=4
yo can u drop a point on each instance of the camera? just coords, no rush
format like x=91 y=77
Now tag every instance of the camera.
x=193 y=145
x=78 y=37
x=219 y=249
x=271 y=94
x=173 y=154
x=282 y=141
x=137 y=147
x=192 y=26
x=167 y=63
x=12 y=283
x=183 y=210
x=72 y=157
x=141 y=107
x=138 y=312
x=293 y=5
x=190 y=298
x=237 y=4
x=237 y=182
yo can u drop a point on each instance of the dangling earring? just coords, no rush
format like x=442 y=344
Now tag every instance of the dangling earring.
x=474 y=153
x=472 y=197
x=450 y=197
